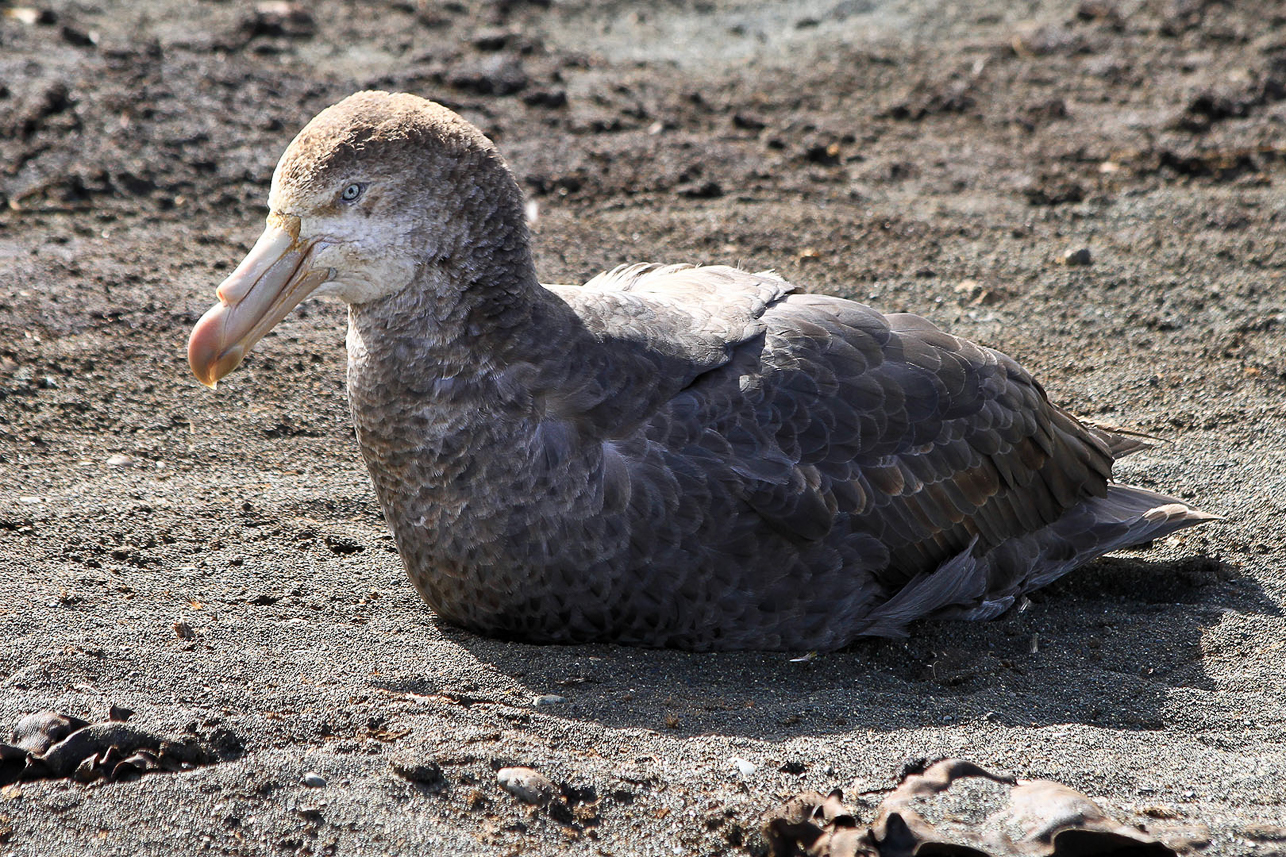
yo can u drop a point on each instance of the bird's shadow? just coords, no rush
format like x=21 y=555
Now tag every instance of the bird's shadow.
x=1104 y=646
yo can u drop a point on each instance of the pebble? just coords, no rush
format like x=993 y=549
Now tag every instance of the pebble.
x=23 y=15
x=119 y=460
x=744 y=767
x=281 y=18
x=526 y=784
x=314 y=780
x=548 y=699
x=1076 y=258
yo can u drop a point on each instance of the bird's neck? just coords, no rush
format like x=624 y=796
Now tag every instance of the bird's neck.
x=448 y=400
x=460 y=321
x=451 y=369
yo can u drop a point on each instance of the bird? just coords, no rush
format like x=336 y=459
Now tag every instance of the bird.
x=674 y=456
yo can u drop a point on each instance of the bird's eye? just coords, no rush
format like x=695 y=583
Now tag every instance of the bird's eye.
x=351 y=192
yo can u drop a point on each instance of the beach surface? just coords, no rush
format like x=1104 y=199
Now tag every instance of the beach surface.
x=1095 y=189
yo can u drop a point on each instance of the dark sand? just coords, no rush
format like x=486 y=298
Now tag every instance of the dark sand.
x=933 y=157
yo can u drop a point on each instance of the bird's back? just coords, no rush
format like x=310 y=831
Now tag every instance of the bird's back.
x=808 y=458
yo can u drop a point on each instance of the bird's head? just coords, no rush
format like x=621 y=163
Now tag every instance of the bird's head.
x=371 y=190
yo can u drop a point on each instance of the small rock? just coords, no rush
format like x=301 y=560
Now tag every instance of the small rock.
x=826 y=154
x=526 y=784
x=702 y=190
x=28 y=16
x=314 y=780
x=492 y=40
x=1076 y=258
x=120 y=460
x=73 y=35
x=744 y=768
x=23 y=15
x=548 y=699
x=183 y=630
x=279 y=18
x=803 y=257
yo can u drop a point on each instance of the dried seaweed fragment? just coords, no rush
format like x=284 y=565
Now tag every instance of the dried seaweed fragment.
x=957 y=808
x=49 y=745
x=814 y=825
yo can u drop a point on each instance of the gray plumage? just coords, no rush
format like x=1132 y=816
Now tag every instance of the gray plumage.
x=697 y=457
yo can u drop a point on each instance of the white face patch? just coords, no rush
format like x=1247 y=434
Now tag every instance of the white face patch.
x=369 y=257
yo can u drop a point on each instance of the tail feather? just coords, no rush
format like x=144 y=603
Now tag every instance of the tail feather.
x=1127 y=516
x=983 y=587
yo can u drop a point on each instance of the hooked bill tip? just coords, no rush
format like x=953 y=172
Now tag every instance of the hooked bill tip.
x=207 y=355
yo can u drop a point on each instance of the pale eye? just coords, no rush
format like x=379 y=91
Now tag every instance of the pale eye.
x=351 y=192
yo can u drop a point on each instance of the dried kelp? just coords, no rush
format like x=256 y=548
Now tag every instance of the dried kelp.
x=49 y=745
x=957 y=808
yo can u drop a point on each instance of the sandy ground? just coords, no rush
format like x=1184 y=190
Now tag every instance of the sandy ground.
x=217 y=564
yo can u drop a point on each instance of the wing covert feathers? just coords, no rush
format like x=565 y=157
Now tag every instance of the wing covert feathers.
x=840 y=423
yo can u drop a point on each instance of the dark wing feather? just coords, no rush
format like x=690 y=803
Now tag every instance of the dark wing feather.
x=837 y=421
x=932 y=442
x=655 y=330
